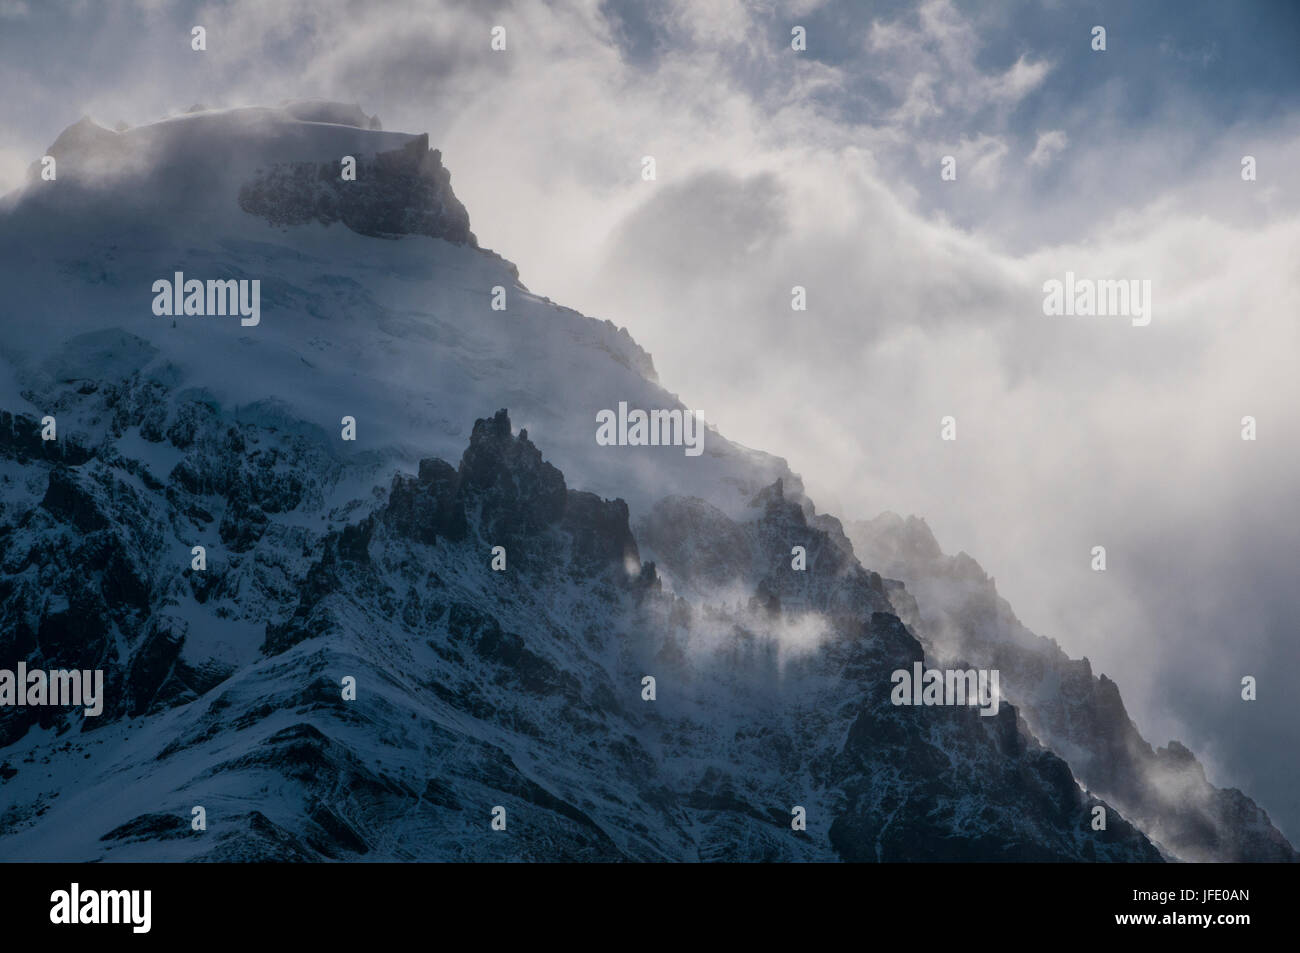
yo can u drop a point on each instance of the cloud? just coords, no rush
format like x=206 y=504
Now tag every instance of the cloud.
x=1048 y=145
x=932 y=64
x=13 y=168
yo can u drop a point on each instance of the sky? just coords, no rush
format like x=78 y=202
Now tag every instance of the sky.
x=821 y=168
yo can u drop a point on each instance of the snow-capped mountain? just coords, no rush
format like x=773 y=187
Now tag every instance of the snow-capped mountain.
x=485 y=678
x=954 y=608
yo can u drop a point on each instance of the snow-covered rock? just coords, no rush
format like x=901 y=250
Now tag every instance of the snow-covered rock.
x=955 y=609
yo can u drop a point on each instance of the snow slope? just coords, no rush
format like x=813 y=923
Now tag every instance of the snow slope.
x=955 y=609
x=398 y=333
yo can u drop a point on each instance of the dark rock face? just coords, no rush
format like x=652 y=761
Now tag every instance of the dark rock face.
x=479 y=688
x=517 y=492
x=20 y=441
x=902 y=775
x=85 y=567
x=403 y=192
x=503 y=494
x=958 y=613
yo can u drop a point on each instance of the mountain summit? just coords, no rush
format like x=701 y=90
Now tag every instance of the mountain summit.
x=362 y=582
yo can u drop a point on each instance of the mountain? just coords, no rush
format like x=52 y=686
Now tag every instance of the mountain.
x=955 y=609
x=384 y=640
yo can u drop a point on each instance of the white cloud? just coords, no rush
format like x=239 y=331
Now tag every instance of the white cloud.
x=13 y=169
x=1049 y=144
x=932 y=66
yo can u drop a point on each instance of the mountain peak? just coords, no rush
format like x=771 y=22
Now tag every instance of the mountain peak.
x=404 y=191
x=299 y=163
